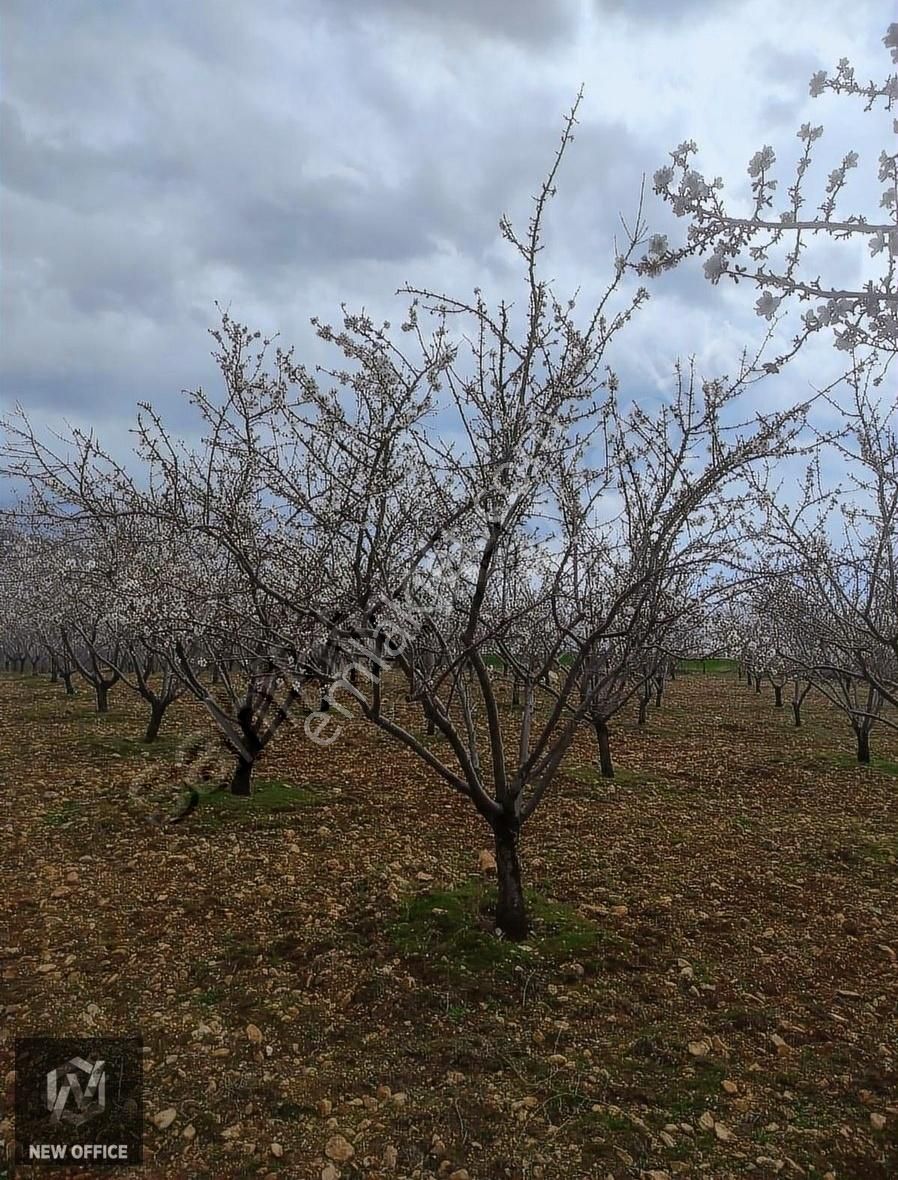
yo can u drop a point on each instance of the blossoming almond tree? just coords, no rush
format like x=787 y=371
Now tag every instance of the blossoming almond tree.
x=767 y=246
x=542 y=430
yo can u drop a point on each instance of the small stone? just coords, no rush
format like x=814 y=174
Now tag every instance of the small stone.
x=382 y=1093
x=878 y=1122
x=486 y=862
x=325 y=1106
x=254 y=1034
x=164 y=1119
x=729 y=1087
x=189 y=1132
x=390 y=1157
x=723 y=1132
x=699 y=1048
x=399 y=1099
x=339 y=1148
x=329 y=1172
x=706 y=1122
x=460 y=1174
x=276 y=1150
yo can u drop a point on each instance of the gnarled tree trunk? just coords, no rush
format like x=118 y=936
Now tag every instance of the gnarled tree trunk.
x=157 y=712
x=242 y=778
x=606 y=766
x=863 y=745
x=511 y=910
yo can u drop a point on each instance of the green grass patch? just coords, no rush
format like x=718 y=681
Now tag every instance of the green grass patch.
x=882 y=851
x=270 y=797
x=715 y=667
x=457 y=926
x=63 y=813
x=877 y=765
x=210 y=997
x=686 y=1095
x=165 y=746
x=590 y=774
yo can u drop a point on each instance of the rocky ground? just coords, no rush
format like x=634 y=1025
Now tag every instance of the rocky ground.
x=711 y=989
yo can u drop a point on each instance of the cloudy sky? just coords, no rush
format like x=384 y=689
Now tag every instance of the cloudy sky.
x=280 y=157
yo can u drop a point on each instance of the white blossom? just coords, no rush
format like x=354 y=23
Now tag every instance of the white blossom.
x=658 y=244
x=890 y=40
x=761 y=161
x=767 y=305
x=715 y=266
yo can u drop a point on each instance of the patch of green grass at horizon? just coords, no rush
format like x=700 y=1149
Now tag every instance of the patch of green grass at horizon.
x=714 y=666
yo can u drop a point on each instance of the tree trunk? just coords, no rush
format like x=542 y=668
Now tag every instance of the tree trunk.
x=757 y=684
x=606 y=766
x=54 y=674
x=778 y=695
x=863 y=745
x=643 y=711
x=22 y=665
x=157 y=712
x=659 y=693
x=241 y=780
x=796 y=713
x=102 y=690
x=516 y=692
x=511 y=910
x=67 y=681
x=431 y=727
